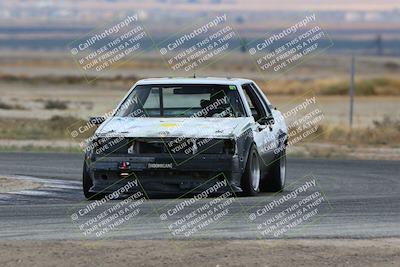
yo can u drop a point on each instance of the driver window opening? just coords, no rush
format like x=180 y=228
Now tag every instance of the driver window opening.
x=255 y=104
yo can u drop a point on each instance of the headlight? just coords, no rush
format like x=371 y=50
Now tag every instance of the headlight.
x=229 y=147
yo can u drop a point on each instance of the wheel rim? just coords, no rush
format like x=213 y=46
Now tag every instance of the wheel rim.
x=255 y=172
x=283 y=169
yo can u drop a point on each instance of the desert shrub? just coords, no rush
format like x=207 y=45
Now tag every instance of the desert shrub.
x=365 y=87
x=8 y=106
x=339 y=88
x=387 y=122
x=55 y=104
x=5 y=106
x=391 y=65
x=61 y=123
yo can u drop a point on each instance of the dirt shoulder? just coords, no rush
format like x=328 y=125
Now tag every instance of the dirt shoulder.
x=362 y=152
x=341 y=252
x=11 y=184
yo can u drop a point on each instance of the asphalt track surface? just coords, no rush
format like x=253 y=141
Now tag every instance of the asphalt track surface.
x=361 y=199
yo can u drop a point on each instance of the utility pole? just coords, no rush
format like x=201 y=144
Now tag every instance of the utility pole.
x=351 y=90
x=379 y=45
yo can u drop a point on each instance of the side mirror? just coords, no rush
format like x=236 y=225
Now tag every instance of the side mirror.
x=271 y=120
x=96 y=120
x=267 y=120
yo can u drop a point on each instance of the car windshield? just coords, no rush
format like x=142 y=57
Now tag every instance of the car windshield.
x=182 y=100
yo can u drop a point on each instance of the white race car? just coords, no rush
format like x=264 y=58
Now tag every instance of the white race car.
x=176 y=133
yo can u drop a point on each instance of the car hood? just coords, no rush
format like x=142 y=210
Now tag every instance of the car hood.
x=174 y=127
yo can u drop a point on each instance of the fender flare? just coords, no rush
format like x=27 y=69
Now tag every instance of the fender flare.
x=244 y=143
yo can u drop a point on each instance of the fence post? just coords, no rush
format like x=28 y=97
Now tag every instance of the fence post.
x=351 y=90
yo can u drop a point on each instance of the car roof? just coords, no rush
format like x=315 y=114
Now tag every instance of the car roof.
x=197 y=80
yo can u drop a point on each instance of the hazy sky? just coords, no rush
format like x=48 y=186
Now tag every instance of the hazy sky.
x=224 y=5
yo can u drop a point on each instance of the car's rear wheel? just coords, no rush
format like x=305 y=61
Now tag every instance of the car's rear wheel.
x=276 y=177
x=252 y=174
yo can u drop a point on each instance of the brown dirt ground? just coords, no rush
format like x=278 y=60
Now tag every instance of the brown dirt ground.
x=9 y=185
x=340 y=252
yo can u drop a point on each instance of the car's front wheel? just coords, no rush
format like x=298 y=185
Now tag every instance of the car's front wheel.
x=276 y=177
x=86 y=182
x=252 y=174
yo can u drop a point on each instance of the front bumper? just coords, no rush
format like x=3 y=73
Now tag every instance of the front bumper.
x=160 y=173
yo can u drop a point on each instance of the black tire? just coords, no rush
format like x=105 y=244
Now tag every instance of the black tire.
x=251 y=174
x=276 y=176
x=87 y=183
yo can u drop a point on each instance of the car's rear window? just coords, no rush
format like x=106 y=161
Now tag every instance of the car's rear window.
x=182 y=100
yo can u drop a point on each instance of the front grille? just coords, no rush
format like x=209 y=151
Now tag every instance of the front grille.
x=182 y=146
x=111 y=145
x=150 y=146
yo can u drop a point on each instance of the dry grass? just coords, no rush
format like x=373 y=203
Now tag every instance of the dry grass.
x=117 y=80
x=381 y=86
x=384 y=132
x=36 y=129
x=363 y=87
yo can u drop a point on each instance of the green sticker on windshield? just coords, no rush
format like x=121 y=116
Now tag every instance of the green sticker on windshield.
x=232 y=87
